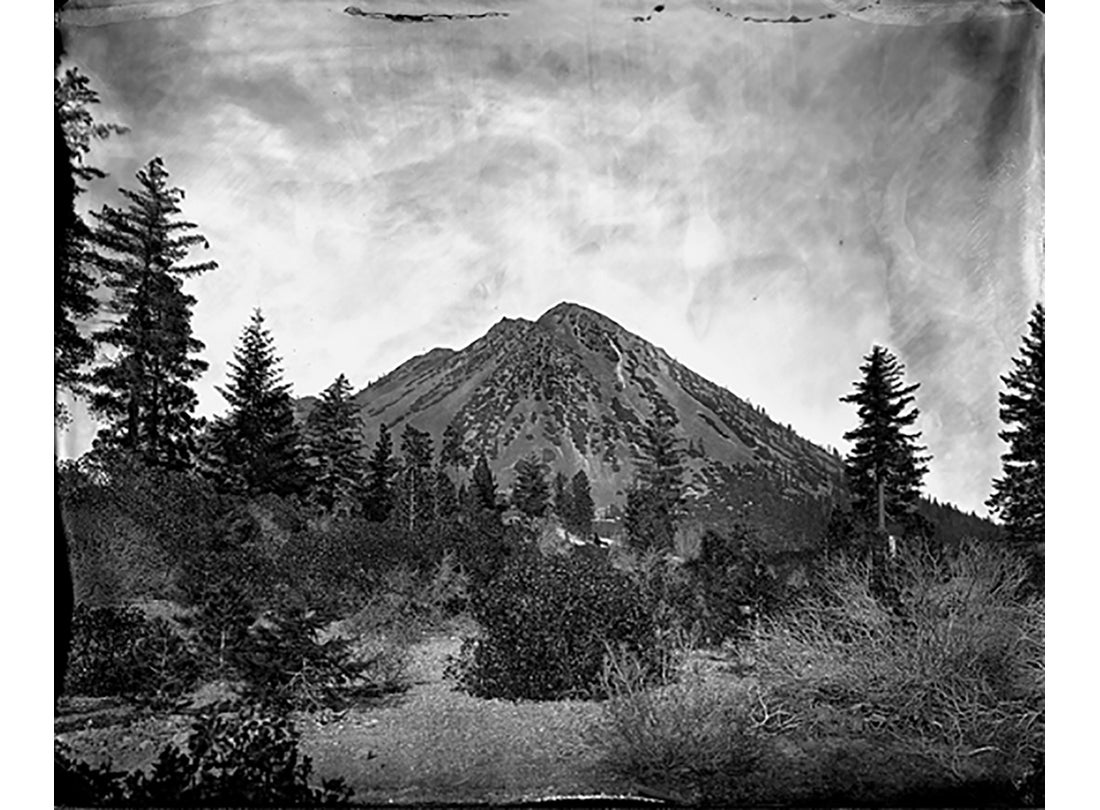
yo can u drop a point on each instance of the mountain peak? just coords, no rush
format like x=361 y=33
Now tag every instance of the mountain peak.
x=566 y=308
x=576 y=388
x=568 y=314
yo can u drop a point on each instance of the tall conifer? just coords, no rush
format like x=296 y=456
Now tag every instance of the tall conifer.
x=581 y=509
x=445 y=501
x=74 y=284
x=530 y=493
x=143 y=392
x=1019 y=494
x=381 y=469
x=255 y=448
x=334 y=450
x=655 y=499
x=416 y=484
x=484 y=485
x=886 y=464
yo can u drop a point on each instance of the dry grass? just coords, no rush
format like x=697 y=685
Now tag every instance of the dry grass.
x=843 y=699
x=958 y=677
x=688 y=731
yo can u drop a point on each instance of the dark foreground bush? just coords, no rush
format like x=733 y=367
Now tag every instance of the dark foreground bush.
x=117 y=651
x=548 y=623
x=242 y=758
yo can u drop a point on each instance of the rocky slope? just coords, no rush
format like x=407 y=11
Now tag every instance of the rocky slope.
x=576 y=388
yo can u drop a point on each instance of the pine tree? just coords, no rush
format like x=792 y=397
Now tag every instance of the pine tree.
x=416 y=447
x=416 y=487
x=381 y=471
x=484 y=485
x=581 y=509
x=75 y=128
x=143 y=393
x=660 y=461
x=445 y=501
x=255 y=448
x=1019 y=495
x=886 y=463
x=452 y=451
x=562 y=503
x=334 y=450
x=655 y=500
x=530 y=493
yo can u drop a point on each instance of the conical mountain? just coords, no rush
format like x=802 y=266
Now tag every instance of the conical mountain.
x=576 y=388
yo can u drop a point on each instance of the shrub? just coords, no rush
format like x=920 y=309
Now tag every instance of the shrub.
x=118 y=652
x=381 y=664
x=131 y=525
x=221 y=611
x=953 y=671
x=284 y=657
x=341 y=565
x=328 y=564
x=447 y=590
x=483 y=546
x=286 y=666
x=717 y=590
x=733 y=583
x=245 y=757
x=402 y=602
x=689 y=733
x=547 y=623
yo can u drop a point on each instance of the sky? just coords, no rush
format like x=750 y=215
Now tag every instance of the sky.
x=764 y=200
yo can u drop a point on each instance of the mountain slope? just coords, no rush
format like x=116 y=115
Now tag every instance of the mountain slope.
x=576 y=388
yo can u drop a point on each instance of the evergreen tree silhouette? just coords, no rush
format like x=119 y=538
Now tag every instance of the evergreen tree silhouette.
x=484 y=486
x=1019 y=495
x=886 y=465
x=143 y=394
x=381 y=470
x=255 y=448
x=334 y=451
x=530 y=493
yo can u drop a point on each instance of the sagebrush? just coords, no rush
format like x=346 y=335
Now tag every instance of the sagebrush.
x=953 y=670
